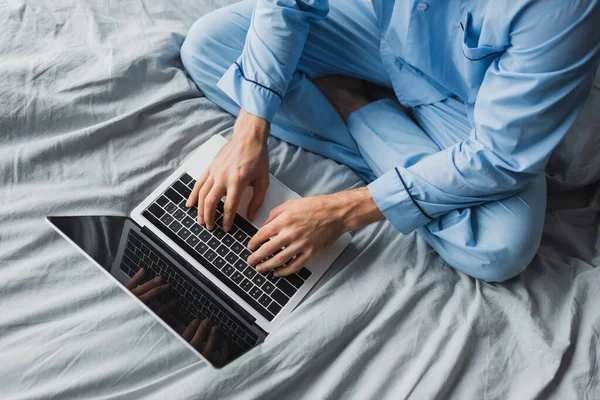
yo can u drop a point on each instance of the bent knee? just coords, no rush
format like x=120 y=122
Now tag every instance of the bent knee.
x=214 y=42
x=501 y=263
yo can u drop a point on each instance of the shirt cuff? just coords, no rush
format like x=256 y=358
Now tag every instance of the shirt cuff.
x=253 y=97
x=395 y=202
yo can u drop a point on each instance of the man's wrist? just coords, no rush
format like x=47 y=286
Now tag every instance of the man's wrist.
x=251 y=127
x=356 y=208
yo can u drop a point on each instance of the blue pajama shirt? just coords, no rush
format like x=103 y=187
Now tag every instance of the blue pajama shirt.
x=491 y=88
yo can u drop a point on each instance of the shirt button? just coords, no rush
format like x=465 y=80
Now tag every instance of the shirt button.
x=422 y=6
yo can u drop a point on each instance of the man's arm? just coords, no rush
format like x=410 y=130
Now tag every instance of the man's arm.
x=258 y=80
x=527 y=102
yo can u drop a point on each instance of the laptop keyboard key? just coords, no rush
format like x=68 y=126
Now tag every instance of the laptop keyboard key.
x=304 y=273
x=279 y=297
x=219 y=262
x=223 y=250
x=240 y=265
x=162 y=201
x=185 y=178
x=184 y=233
x=286 y=287
x=156 y=210
x=205 y=236
x=166 y=219
x=274 y=308
x=256 y=292
x=171 y=208
x=259 y=280
x=264 y=300
x=201 y=248
x=231 y=258
x=228 y=269
x=249 y=272
x=210 y=255
x=246 y=285
x=192 y=240
x=196 y=228
x=240 y=236
x=237 y=248
x=182 y=189
x=175 y=226
x=218 y=233
x=178 y=215
x=245 y=253
x=268 y=287
x=214 y=243
x=187 y=222
x=237 y=277
x=173 y=196
x=228 y=240
x=294 y=280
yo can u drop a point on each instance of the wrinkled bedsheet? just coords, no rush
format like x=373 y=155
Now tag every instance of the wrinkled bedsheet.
x=95 y=109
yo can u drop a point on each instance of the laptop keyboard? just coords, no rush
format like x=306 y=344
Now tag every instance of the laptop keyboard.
x=191 y=302
x=223 y=254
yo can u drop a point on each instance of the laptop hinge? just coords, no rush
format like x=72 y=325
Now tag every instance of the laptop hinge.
x=190 y=268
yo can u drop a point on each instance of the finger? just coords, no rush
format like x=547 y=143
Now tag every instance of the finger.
x=206 y=188
x=188 y=333
x=272 y=246
x=166 y=308
x=201 y=334
x=259 y=191
x=154 y=293
x=211 y=343
x=231 y=204
x=263 y=234
x=294 y=266
x=147 y=286
x=193 y=198
x=279 y=259
x=210 y=205
x=274 y=213
x=136 y=279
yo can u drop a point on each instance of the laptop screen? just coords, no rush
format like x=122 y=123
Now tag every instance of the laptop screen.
x=173 y=294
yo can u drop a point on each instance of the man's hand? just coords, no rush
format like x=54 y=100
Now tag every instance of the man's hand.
x=242 y=162
x=303 y=227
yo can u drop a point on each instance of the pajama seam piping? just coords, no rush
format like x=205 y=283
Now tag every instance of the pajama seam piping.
x=256 y=83
x=410 y=196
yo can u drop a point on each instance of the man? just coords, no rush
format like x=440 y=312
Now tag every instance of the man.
x=483 y=92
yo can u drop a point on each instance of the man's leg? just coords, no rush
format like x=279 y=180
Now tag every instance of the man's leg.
x=346 y=42
x=494 y=241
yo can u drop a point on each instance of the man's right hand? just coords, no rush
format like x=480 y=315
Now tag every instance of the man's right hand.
x=242 y=162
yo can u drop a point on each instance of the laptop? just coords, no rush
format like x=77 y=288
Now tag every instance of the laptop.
x=206 y=272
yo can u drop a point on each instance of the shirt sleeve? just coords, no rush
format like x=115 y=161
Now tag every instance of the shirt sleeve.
x=258 y=80
x=529 y=98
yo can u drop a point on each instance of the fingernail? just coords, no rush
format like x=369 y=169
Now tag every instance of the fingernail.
x=187 y=203
x=258 y=269
x=157 y=279
x=276 y=274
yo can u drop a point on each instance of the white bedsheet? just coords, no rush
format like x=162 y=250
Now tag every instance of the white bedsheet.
x=95 y=109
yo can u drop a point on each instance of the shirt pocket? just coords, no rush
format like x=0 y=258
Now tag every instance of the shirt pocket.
x=476 y=57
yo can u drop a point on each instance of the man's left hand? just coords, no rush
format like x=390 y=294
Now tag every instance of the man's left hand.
x=303 y=227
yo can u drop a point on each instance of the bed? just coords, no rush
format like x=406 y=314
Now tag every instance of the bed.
x=95 y=109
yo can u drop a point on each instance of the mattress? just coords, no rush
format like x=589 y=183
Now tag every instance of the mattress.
x=96 y=108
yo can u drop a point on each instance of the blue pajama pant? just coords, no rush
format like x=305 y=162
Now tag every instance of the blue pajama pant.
x=494 y=241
